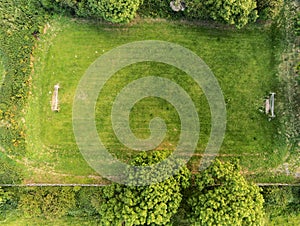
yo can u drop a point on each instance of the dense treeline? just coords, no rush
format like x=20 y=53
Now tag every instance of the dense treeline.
x=209 y=195
x=237 y=12
x=220 y=194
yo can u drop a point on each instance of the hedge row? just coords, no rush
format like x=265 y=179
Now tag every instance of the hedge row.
x=197 y=9
x=118 y=11
x=56 y=202
x=19 y=22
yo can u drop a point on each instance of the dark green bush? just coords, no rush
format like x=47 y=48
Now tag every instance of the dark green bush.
x=277 y=200
x=8 y=201
x=4 y=199
x=297 y=25
x=158 y=9
x=84 y=199
x=59 y=6
x=269 y=9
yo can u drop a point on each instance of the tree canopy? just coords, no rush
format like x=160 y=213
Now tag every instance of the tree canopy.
x=223 y=196
x=143 y=205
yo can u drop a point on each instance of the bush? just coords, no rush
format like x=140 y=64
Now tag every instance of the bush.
x=277 y=200
x=48 y=202
x=158 y=9
x=269 y=9
x=116 y=11
x=8 y=201
x=9 y=174
x=281 y=202
x=238 y=12
x=59 y=6
x=84 y=202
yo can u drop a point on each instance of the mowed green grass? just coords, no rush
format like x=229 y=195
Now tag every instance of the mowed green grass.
x=243 y=61
x=2 y=73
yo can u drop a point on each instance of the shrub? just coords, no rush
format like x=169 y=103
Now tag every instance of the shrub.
x=48 y=202
x=84 y=202
x=158 y=9
x=116 y=11
x=277 y=200
x=59 y=6
x=281 y=201
x=269 y=9
x=237 y=12
x=9 y=173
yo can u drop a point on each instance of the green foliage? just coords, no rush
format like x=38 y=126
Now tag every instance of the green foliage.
x=84 y=207
x=281 y=201
x=269 y=9
x=7 y=201
x=60 y=6
x=223 y=196
x=297 y=27
x=237 y=12
x=9 y=173
x=4 y=197
x=158 y=9
x=277 y=200
x=142 y=205
x=48 y=202
x=19 y=20
x=116 y=11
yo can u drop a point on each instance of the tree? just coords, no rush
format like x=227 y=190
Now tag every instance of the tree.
x=116 y=11
x=222 y=196
x=142 y=205
x=235 y=12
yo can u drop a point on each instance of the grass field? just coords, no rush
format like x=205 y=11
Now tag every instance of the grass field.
x=244 y=62
x=1 y=73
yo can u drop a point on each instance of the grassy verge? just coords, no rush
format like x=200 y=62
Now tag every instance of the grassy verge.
x=2 y=75
x=244 y=62
x=77 y=221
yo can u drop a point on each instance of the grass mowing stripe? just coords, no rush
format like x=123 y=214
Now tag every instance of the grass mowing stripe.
x=242 y=61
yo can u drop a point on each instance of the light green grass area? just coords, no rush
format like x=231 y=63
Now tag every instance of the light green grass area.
x=289 y=220
x=1 y=72
x=244 y=62
x=76 y=221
